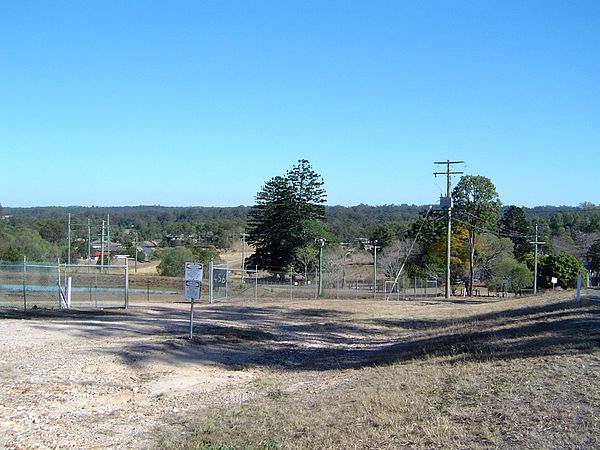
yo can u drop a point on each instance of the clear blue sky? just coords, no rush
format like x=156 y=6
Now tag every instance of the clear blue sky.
x=200 y=102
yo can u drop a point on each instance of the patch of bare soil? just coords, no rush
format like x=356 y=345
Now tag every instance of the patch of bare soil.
x=110 y=380
x=126 y=379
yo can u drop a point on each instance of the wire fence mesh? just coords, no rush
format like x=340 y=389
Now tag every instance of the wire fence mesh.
x=29 y=285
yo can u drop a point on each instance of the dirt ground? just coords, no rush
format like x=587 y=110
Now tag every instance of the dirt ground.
x=125 y=378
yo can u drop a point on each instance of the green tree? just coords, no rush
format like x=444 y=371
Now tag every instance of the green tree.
x=306 y=256
x=508 y=270
x=515 y=225
x=288 y=214
x=172 y=261
x=382 y=235
x=206 y=254
x=564 y=267
x=593 y=256
x=477 y=207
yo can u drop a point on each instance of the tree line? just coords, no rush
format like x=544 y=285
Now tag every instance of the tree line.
x=290 y=218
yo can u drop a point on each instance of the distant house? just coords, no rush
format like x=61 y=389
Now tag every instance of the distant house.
x=148 y=247
x=114 y=248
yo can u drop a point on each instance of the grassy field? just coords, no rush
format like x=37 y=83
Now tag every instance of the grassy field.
x=515 y=373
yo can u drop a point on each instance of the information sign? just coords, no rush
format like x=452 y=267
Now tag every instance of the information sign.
x=193 y=271
x=220 y=277
x=193 y=277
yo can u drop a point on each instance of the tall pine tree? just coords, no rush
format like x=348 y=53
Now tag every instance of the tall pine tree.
x=288 y=214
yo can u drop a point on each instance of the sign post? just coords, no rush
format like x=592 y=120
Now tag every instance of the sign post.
x=193 y=280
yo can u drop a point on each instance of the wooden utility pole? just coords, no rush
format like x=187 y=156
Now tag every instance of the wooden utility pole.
x=535 y=271
x=446 y=203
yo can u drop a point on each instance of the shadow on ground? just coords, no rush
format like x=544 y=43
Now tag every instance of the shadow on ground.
x=327 y=339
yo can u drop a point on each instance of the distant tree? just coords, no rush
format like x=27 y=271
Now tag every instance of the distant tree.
x=491 y=249
x=564 y=267
x=593 y=256
x=507 y=272
x=288 y=214
x=515 y=225
x=306 y=256
x=383 y=236
x=172 y=261
x=205 y=255
x=477 y=206
x=54 y=229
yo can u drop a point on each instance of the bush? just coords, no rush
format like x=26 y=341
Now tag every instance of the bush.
x=172 y=261
x=516 y=274
x=564 y=267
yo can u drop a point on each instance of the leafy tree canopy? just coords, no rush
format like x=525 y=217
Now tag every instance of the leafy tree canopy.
x=593 y=255
x=477 y=207
x=172 y=261
x=514 y=224
x=288 y=214
x=564 y=267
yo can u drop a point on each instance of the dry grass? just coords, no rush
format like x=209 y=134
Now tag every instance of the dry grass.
x=518 y=373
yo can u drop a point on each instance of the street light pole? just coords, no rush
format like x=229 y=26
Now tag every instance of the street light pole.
x=322 y=244
x=375 y=247
x=344 y=277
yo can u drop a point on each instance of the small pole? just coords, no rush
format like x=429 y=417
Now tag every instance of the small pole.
x=24 y=283
x=375 y=269
x=192 y=318
x=322 y=241
x=211 y=288
x=68 y=282
x=69 y=239
x=579 y=288
x=108 y=239
x=291 y=285
x=244 y=235
x=126 y=283
x=102 y=249
x=89 y=242
x=58 y=281
x=316 y=284
x=255 y=284
x=535 y=276
x=136 y=252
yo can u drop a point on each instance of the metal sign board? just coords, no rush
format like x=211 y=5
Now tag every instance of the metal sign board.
x=193 y=271
x=192 y=289
x=193 y=277
x=220 y=277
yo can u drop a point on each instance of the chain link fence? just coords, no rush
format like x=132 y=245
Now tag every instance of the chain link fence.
x=30 y=285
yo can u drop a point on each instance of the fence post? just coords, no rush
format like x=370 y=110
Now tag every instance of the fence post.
x=126 y=283
x=210 y=282
x=255 y=283
x=579 y=287
x=24 y=283
x=58 y=282
x=68 y=292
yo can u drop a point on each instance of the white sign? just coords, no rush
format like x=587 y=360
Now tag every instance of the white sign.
x=193 y=277
x=554 y=280
x=192 y=289
x=193 y=271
